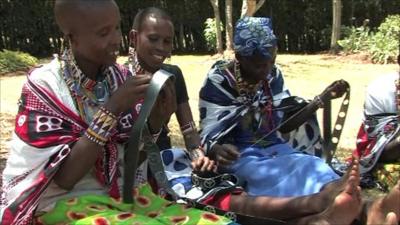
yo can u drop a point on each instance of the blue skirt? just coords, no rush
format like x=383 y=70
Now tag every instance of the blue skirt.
x=281 y=171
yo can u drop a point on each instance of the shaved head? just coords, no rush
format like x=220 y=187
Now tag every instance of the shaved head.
x=92 y=31
x=70 y=12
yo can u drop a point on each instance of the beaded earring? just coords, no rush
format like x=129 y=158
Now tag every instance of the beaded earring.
x=133 y=62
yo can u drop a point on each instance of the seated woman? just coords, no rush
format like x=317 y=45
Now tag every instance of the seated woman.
x=151 y=43
x=240 y=116
x=75 y=116
x=151 y=40
x=378 y=139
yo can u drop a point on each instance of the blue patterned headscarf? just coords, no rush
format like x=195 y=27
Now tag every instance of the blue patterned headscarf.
x=254 y=35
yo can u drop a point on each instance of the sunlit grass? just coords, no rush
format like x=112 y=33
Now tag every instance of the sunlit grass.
x=305 y=76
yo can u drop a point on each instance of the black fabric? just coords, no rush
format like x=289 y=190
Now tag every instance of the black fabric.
x=164 y=142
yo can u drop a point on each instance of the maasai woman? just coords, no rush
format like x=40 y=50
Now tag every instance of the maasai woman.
x=240 y=116
x=151 y=41
x=378 y=139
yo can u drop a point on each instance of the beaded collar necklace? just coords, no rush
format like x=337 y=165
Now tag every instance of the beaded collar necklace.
x=86 y=93
x=82 y=88
x=245 y=89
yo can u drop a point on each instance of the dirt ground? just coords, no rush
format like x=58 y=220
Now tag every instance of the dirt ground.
x=305 y=75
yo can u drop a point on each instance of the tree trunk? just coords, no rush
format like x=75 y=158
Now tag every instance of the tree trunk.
x=336 y=23
x=182 y=44
x=228 y=25
x=214 y=4
x=250 y=7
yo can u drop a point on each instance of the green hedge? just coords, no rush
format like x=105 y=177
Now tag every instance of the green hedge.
x=382 y=44
x=11 y=61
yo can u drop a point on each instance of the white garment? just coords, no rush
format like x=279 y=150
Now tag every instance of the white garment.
x=381 y=95
x=35 y=159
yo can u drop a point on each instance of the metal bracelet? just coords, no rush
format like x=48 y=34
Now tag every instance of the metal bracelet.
x=194 y=152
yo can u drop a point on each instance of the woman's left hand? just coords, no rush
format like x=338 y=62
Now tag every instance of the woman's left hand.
x=334 y=90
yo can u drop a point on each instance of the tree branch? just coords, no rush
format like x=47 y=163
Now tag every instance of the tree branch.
x=259 y=5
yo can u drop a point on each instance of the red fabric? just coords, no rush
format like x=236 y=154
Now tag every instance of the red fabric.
x=222 y=200
x=44 y=121
x=364 y=143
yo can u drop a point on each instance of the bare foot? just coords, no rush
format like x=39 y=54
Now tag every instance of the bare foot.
x=382 y=206
x=340 y=184
x=344 y=209
x=332 y=190
x=391 y=219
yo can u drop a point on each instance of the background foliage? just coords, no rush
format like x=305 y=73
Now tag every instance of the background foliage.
x=382 y=44
x=11 y=61
x=303 y=26
x=210 y=33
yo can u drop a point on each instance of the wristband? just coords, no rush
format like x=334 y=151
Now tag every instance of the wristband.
x=319 y=101
x=188 y=128
x=102 y=126
x=194 y=154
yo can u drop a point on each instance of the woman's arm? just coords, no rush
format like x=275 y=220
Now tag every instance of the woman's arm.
x=302 y=117
x=81 y=159
x=335 y=90
x=86 y=150
x=200 y=162
x=188 y=127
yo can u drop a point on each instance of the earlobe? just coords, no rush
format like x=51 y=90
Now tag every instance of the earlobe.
x=132 y=37
x=69 y=38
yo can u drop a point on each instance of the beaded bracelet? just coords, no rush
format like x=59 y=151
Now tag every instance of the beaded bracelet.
x=100 y=130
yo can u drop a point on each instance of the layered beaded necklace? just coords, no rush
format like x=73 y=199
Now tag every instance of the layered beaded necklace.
x=85 y=91
x=245 y=89
x=258 y=96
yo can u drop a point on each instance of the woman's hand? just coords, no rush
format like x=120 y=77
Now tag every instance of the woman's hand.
x=128 y=94
x=334 y=90
x=224 y=154
x=201 y=163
